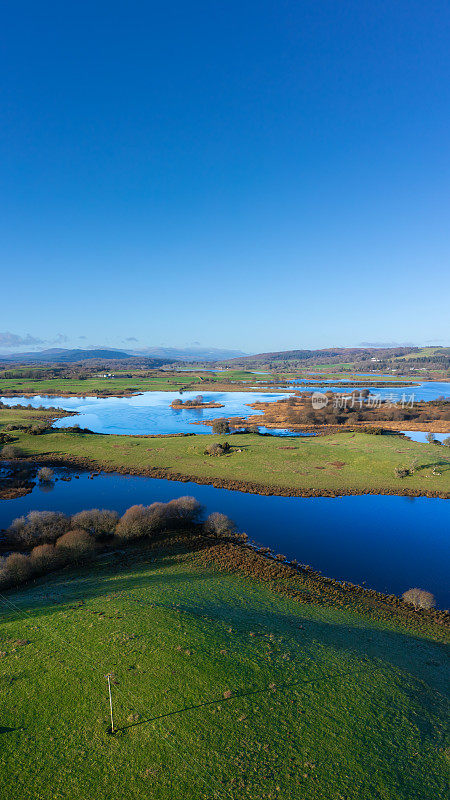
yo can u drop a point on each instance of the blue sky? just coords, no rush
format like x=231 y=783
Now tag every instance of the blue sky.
x=256 y=175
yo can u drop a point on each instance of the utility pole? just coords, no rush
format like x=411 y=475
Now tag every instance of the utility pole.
x=108 y=677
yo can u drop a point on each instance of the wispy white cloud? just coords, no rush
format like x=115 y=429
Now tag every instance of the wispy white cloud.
x=11 y=341
x=8 y=339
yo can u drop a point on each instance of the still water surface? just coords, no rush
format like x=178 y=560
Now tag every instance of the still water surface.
x=429 y=390
x=389 y=543
x=151 y=412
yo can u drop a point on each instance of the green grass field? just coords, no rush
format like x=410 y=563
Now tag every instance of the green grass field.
x=222 y=689
x=424 y=352
x=339 y=462
x=16 y=414
x=164 y=381
x=55 y=386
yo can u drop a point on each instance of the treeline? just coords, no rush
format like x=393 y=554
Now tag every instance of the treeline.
x=441 y=360
x=46 y=373
x=291 y=359
x=357 y=411
x=195 y=401
x=45 y=541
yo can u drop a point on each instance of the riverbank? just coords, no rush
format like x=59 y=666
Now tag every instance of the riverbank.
x=315 y=691
x=330 y=465
x=297 y=414
x=131 y=385
x=303 y=583
x=435 y=426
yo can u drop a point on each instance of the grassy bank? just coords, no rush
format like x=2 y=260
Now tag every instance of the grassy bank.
x=162 y=381
x=222 y=688
x=335 y=464
x=93 y=386
x=229 y=380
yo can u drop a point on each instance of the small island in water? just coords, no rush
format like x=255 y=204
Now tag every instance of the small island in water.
x=196 y=402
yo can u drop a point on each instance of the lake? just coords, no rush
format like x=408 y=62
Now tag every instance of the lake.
x=428 y=390
x=151 y=412
x=147 y=413
x=384 y=542
x=421 y=436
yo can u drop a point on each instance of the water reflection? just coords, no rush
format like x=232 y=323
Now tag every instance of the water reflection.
x=390 y=543
x=149 y=412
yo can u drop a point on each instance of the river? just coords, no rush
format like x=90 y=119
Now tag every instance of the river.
x=384 y=542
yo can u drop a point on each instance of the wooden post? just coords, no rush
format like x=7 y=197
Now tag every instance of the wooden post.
x=110 y=702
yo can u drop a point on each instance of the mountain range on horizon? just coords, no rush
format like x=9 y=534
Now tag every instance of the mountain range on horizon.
x=159 y=355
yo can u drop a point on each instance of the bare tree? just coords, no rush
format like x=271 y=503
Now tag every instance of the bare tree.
x=419 y=598
x=220 y=426
x=45 y=475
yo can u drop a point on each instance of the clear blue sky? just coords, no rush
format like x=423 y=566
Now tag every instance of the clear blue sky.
x=258 y=175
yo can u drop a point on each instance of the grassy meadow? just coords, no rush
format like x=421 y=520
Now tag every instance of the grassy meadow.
x=161 y=382
x=74 y=386
x=222 y=688
x=340 y=462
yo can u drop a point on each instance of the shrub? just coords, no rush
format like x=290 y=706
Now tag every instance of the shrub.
x=136 y=522
x=217 y=449
x=45 y=475
x=97 y=522
x=446 y=441
x=430 y=437
x=11 y=451
x=402 y=472
x=74 y=429
x=218 y=524
x=16 y=568
x=139 y=520
x=220 y=426
x=38 y=428
x=76 y=545
x=38 y=527
x=184 y=511
x=419 y=598
x=45 y=558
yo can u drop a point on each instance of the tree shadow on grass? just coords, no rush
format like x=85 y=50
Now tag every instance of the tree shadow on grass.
x=442 y=463
x=424 y=659
x=360 y=637
x=4 y=729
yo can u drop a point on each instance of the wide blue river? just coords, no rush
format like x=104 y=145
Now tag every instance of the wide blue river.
x=384 y=542
x=388 y=543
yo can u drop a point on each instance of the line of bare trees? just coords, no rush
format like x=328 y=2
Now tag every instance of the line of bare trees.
x=44 y=541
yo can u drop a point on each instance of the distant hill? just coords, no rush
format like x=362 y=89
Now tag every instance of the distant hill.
x=99 y=357
x=61 y=355
x=189 y=354
x=309 y=358
x=149 y=357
